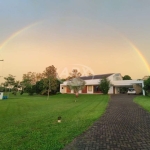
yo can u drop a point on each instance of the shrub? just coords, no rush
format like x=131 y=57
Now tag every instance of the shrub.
x=104 y=85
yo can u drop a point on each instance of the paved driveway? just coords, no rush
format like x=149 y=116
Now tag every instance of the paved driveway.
x=124 y=126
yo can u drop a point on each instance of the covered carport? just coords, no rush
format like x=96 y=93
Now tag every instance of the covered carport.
x=126 y=83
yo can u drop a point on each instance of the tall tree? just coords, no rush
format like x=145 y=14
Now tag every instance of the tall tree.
x=29 y=80
x=38 y=77
x=32 y=77
x=9 y=81
x=74 y=74
x=50 y=79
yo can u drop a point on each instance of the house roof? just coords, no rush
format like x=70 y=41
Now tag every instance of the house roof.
x=100 y=76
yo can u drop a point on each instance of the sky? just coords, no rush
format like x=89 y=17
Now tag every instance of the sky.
x=93 y=36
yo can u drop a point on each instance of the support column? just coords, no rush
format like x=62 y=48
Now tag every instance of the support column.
x=143 y=89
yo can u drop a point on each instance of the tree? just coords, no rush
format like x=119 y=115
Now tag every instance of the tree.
x=126 y=77
x=32 y=78
x=9 y=82
x=30 y=89
x=74 y=74
x=125 y=89
x=27 y=85
x=50 y=87
x=39 y=86
x=75 y=82
x=17 y=84
x=104 y=85
x=38 y=76
x=2 y=88
x=29 y=80
x=15 y=88
x=147 y=86
x=50 y=79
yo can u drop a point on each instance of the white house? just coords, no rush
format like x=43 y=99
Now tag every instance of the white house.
x=92 y=84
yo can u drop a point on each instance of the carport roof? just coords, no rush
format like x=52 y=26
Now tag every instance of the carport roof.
x=126 y=82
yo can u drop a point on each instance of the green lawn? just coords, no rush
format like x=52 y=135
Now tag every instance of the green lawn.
x=30 y=122
x=143 y=101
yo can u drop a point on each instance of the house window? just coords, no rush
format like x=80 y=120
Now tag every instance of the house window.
x=90 y=88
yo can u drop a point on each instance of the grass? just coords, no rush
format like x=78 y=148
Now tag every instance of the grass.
x=30 y=122
x=143 y=101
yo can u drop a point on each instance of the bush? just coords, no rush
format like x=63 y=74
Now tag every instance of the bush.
x=2 y=89
x=30 y=89
x=39 y=87
x=104 y=85
x=147 y=86
x=21 y=92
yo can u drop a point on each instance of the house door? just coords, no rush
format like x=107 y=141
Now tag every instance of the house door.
x=84 y=90
x=68 y=90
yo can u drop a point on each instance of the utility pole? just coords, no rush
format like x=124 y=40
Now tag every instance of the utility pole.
x=1 y=60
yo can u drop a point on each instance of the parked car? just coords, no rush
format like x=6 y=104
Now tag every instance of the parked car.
x=131 y=91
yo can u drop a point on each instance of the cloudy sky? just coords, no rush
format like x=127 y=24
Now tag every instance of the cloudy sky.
x=97 y=36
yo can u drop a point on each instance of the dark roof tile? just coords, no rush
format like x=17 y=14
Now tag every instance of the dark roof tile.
x=100 y=76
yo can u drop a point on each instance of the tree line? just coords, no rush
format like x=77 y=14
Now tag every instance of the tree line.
x=44 y=83
x=47 y=83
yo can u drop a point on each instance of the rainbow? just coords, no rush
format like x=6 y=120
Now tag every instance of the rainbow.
x=140 y=55
x=17 y=33
x=36 y=23
x=134 y=48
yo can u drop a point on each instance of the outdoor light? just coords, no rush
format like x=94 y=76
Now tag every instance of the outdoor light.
x=59 y=119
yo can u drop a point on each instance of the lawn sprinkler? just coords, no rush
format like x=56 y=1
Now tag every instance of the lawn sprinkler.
x=59 y=119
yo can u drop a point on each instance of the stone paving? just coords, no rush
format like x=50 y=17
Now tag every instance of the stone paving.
x=124 y=126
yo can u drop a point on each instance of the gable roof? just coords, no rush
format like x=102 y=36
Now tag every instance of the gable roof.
x=100 y=76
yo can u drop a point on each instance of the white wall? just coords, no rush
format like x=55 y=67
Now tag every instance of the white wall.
x=110 y=90
x=1 y=95
x=115 y=77
x=63 y=89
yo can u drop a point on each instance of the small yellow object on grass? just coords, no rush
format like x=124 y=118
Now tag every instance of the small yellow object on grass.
x=59 y=119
